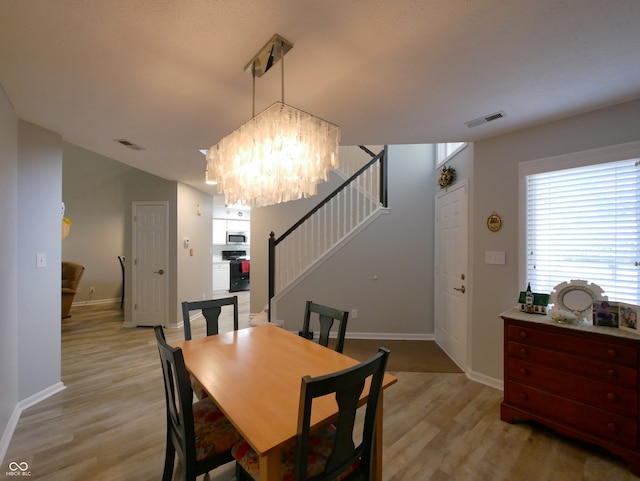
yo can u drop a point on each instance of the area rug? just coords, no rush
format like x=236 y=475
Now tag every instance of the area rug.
x=406 y=356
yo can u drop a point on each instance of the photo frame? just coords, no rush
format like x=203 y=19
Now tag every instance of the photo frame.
x=606 y=313
x=628 y=319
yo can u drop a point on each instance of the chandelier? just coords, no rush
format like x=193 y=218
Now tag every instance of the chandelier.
x=279 y=155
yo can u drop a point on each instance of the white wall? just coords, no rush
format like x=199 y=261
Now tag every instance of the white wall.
x=495 y=181
x=9 y=268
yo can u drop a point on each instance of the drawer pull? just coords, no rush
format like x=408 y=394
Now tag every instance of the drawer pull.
x=612 y=353
x=612 y=427
x=612 y=373
x=523 y=334
x=523 y=351
x=612 y=396
x=523 y=396
x=523 y=371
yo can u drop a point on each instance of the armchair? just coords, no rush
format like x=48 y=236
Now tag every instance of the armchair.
x=71 y=275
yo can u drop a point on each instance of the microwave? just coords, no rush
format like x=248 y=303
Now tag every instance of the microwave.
x=237 y=237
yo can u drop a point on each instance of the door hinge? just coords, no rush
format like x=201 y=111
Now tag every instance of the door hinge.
x=135 y=307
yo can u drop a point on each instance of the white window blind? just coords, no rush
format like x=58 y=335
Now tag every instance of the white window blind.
x=584 y=223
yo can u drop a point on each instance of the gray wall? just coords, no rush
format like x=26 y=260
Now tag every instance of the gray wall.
x=194 y=263
x=8 y=265
x=39 y=231
x=98 y=193
x=495 y=186
x=93 y=190
x=397 y=248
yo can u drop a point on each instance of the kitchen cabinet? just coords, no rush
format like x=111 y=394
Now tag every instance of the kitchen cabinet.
x=221 y=276
x=222 y=226
x=219 y=231
x=579 y=380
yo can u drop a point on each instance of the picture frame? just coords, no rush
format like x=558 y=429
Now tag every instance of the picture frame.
x=628 y=317
x=606 y=313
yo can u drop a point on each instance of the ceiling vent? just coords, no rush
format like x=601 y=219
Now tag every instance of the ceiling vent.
x=485 y=119
x=128 y=144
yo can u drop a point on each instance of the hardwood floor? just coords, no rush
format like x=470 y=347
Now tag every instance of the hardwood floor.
x=109 y=423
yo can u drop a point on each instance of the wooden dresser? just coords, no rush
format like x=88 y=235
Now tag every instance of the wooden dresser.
x=580 y=380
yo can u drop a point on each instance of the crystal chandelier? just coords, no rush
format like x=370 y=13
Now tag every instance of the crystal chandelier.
x=279 y=155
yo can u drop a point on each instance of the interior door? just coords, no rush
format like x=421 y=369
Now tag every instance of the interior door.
x=451 y=282
x=150 y=263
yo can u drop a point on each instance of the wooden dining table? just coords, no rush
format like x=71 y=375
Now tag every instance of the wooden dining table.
x=254 y=375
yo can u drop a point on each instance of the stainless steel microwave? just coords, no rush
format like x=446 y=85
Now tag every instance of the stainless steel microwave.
x=237 y=237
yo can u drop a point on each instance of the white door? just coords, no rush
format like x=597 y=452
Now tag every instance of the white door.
x=451 y=282
x=150 y=280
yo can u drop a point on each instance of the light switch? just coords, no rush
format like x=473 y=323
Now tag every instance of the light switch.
x=41 y=261
x=495 y=257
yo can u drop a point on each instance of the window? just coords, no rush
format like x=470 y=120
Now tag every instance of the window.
x=584 y=223
x=447 y=150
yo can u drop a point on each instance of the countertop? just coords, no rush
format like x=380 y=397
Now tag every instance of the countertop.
x=517 y=314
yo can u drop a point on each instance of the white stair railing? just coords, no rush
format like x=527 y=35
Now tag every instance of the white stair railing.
x=326 y=227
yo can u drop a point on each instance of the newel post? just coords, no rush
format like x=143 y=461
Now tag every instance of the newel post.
x=272 y=268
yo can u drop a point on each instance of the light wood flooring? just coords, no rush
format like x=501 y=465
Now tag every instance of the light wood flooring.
x=109 y=422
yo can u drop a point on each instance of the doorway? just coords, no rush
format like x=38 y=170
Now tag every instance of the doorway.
x=451 y=281
x=150 y=279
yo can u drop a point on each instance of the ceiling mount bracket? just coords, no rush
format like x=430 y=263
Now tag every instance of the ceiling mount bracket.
x=268 y=56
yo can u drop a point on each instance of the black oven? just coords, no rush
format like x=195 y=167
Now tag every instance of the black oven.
x=239 y=270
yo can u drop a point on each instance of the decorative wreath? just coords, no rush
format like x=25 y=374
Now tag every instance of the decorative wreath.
x=447 y=177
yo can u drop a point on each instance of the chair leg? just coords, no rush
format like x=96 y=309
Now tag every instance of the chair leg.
x=169 y=459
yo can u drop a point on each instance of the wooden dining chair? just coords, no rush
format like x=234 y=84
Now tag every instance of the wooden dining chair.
x=211 y=310
x=330 y=453
x=326 y=317
x=200 y=433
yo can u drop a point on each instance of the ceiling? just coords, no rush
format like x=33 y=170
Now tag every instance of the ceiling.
x=169 y=75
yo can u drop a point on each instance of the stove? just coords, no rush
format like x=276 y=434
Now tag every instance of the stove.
x=234 y=255
x=239 y=267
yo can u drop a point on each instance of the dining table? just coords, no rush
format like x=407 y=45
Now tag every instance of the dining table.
x=254 y=375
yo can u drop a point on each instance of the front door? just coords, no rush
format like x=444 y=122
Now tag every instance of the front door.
x=451 y=282
x=150 y=263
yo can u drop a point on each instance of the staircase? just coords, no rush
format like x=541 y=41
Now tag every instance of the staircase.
x=340 y=216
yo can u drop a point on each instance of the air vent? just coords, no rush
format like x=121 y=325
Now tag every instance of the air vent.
x=128 y=144
x=485 y=119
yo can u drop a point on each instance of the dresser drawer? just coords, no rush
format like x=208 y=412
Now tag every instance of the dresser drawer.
x=603 y=370
x=574 y=343
x=581 y=417
x=579 y=388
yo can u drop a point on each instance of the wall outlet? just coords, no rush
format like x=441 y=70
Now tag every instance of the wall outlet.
x=354 y=313
x=92 y=289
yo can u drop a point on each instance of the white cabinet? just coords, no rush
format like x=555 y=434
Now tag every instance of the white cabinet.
x=222 y=226
x=219 y=231
x=221 y=276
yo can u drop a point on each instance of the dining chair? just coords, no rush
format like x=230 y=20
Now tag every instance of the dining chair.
x=211 y=310
x=330 y=453
x=200 y=433
x=326 y=316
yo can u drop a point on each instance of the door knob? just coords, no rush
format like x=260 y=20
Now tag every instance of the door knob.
x=461 y=289
x=159 y=272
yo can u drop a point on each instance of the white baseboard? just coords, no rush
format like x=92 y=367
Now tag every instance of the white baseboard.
x=486 y=380
x=17 y=411
x=391 y=336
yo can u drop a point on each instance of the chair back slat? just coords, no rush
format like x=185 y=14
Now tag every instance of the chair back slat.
x=326 y=316
x=348 y=386
x=211 y=310
x=178 y=395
